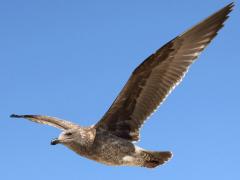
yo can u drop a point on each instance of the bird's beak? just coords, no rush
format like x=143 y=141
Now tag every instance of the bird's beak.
x=55 y=141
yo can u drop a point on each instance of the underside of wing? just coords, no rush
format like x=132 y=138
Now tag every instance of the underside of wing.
x=156 y=77
x=51 y=121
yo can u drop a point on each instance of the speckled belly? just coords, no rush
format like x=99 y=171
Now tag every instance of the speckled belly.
x=111 y=150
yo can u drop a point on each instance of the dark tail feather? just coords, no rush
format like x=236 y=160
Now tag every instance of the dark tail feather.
x=155 y=158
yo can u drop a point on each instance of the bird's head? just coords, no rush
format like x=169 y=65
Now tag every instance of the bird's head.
x=66 y=137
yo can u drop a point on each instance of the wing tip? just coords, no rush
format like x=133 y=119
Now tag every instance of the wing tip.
x=20 y=116
x=15 y=116
x=231 y=5
x=228 y=8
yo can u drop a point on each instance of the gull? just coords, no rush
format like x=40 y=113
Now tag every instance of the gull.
x=111 y=140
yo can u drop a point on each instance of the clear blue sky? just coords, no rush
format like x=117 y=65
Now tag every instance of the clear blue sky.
x=70 y=59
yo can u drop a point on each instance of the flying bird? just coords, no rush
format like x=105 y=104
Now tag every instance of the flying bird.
x=111 y=140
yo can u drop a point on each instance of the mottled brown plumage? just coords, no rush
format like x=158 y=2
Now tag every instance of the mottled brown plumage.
x=110 y=140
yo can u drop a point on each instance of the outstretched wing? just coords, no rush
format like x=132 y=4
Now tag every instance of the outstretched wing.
x=156 y=77
x=51 y=121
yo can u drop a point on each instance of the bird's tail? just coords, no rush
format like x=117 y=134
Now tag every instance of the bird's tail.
x=156 y=158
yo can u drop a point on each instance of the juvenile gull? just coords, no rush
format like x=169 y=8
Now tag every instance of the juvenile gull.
x=110 y=141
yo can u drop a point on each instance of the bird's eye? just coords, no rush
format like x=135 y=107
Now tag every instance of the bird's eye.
x=68 y=134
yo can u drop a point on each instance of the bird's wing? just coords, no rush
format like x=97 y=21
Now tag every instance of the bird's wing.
x=51 y=121
x=155 y=78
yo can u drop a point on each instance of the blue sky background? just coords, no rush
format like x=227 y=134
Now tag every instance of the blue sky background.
x=70 y=59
